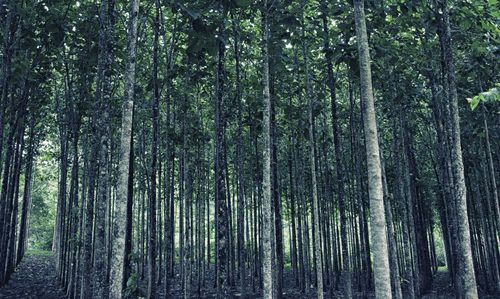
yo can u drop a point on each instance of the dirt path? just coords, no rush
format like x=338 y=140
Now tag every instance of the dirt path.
x=35 y=277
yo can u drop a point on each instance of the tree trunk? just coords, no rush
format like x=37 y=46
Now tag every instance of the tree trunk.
x=100 y=269
x=151 y=292
x=466 y=287
x=393 y=257
x=491 y=168
x=240 y=158
x=28 y=180
x=346 y=270
x=377 y=213
x=267 y=265
x=220 y=175
x=312 y=141
x=121 y=213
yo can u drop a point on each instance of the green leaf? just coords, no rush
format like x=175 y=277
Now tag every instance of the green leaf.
x=492 y=95
x=474 y=102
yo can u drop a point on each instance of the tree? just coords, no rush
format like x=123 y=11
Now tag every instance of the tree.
x=267 y=265
x=346 y=272
x=377 y=214
x=466 y=283
x=121 y=202
x=220 y=173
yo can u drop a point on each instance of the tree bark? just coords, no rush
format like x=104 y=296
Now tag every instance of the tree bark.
x=466 y=287
x=317 y=256
x=151 y=292
x=240 y=158
x=346 y=270
x=220 y=175
x=100 y=269
x=26 y=208
x=267 y=265
x=121 y=215
x=377 y=213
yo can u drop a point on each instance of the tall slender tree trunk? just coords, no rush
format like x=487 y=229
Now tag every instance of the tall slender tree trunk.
x=7 y=52
x=239 y=165
x=86 y=284
x=28 y=180
x=62 y=194
x=407 y=268
x=121 y=215
x=491 y=169
x=267 y=264
x=317 y=256
x=151 y=293
x=278 y=226
x=376 y=195
x=393 y=256
x=13 y=205
x=220 y=175
x=100 y=269
x=466 y=281
x=188 y=190
x=127 y=262
x=74 y=195
x=346 y=270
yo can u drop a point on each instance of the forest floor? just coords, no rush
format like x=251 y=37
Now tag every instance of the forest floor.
x=35 y=277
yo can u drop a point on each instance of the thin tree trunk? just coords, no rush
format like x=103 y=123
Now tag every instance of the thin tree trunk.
x=315 y=200
x=393 y=257
x=346 y=270
x=240 y=158
x=28 y=180
x=188 y=190
x=220 y=175
x=491 y=168
x=267 y=265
